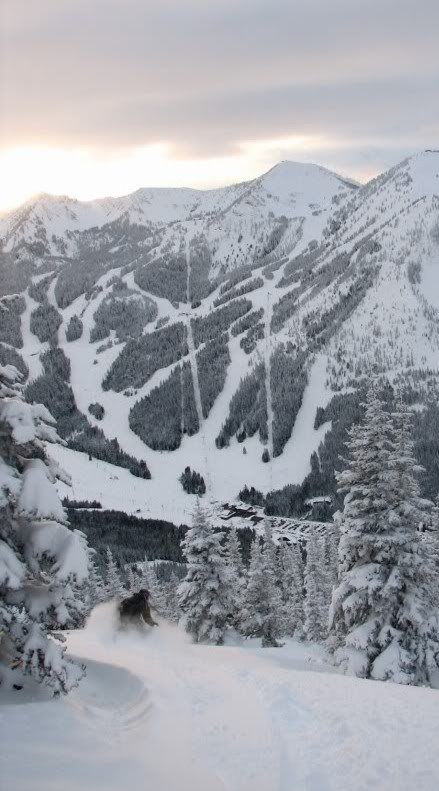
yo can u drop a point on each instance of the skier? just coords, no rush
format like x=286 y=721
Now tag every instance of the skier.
x=135 y=610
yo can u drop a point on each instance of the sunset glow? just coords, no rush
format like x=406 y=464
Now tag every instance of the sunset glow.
x=200 y=94
x=86 y=173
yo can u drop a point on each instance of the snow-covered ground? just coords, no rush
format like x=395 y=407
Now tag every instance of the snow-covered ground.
x=156 y=712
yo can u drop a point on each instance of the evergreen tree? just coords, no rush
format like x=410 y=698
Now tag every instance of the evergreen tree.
x=383 y=622
x=331 y=542
x=204 y=594
x=291 y=585
x=192 y=482
x=254 y=604
x=284 y=576
x=151 y=582
x=95 y=587
x=43 y=564
x=235 y=564
x=138 y=579
x=114 y=588
x=262 y=609
x=132 y=580
x=316 y=605
x=271 y=566
x=409 y=641
x=171 y=596
x=297 y=597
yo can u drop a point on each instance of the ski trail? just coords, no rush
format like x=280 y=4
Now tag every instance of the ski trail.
x=268 y=375
x=190 y=341
x=112 y=699
x=157 y=705
x=181 y=399
x=194 y=366
x=32 y=347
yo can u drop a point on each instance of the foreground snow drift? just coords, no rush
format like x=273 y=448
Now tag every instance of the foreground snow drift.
x=159 y=713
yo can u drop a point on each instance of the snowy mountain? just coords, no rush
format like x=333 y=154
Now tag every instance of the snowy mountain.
x=232 y=330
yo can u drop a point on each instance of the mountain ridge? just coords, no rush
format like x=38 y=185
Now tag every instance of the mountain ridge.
x=53 y=197
x=245 y=324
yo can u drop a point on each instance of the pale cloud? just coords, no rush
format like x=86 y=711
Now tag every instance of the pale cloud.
x=202 y=82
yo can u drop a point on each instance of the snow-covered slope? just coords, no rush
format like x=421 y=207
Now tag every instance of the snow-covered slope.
x=289 y=188
x=158 y=712
x=298 y=280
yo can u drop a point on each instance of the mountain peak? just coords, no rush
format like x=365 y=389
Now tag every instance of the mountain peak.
x=301 y=286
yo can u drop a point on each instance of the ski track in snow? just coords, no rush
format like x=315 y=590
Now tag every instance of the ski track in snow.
x=268 y=373
x=157 y=712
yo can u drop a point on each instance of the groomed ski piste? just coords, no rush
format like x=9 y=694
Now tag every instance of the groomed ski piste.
x=159 y=713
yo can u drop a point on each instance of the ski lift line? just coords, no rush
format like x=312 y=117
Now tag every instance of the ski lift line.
x=182 y=395
x=268 y=387
x=194 y=367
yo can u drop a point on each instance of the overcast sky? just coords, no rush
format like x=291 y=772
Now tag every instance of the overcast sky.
x=104 y=96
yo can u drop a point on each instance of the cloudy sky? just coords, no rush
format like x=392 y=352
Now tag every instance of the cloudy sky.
x=103 y=96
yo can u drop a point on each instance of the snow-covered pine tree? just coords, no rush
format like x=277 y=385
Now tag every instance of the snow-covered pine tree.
x=409 y=637
x=138 y=578
x=331 y=542
x=285 y=579
x=95 y=589
x=171 y=595
x=132 y=580
x=254 y=603
x=383 y=621
x=270 y=563
x=114 y=588
x=151 y=582
x=42 y=562
x=353 y=625
x=262 y=605
x=297 y=595
x=317 y=602
x=292 y=587
x=204 y=594
x=236 y=567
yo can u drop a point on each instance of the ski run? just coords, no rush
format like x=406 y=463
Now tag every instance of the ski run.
x=193 y=360
x=267 y=331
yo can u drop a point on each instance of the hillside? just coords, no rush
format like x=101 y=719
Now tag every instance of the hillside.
x=231 y=330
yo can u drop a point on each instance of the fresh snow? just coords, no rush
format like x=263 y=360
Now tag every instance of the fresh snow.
x=157 y=712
